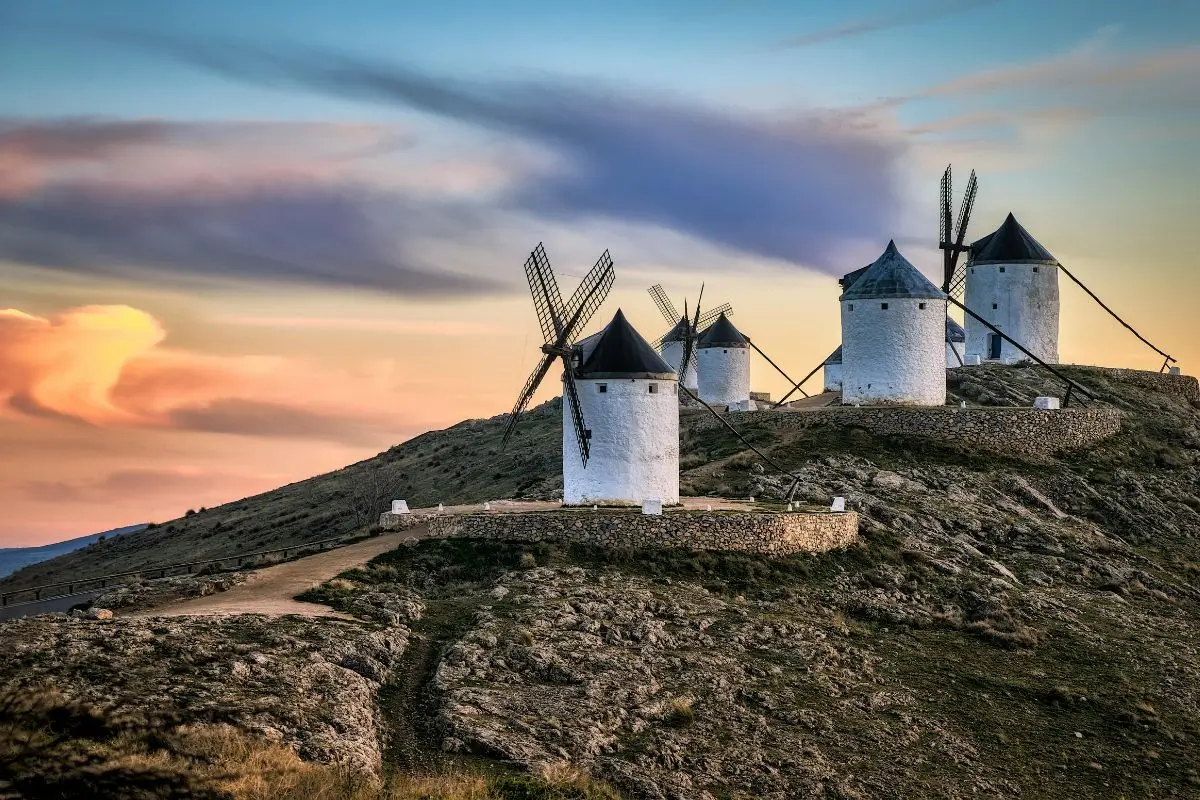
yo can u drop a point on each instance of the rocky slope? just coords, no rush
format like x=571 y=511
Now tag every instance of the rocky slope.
x=1007 y=627
x=308 y=683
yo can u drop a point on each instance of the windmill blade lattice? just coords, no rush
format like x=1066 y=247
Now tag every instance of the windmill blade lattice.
x=711 y=316
x=560 y=325
x=690 y=343
x=664 y=304
x=571 y=393
x=547 y=301
x=531 y=385
x=592 y=291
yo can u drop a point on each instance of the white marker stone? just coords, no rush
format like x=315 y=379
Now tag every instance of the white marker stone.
x=708 y=508
x=652 y=507
x=441 y=507
x=839 y=504
x=973 y=360
x=487 y=506
x=1048 y=403
x=399 y=506
x=789 y=506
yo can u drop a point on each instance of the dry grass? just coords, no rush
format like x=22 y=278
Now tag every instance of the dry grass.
x=51 y=746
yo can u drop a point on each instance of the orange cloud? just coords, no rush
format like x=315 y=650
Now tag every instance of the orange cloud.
x=107 y=366
x=68 y=364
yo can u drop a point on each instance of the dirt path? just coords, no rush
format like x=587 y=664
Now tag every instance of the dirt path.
x=271 y=590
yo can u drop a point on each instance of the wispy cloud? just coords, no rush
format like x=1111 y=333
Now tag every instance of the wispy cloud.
x=796 y=188
x=927 y=12
x=190 y=203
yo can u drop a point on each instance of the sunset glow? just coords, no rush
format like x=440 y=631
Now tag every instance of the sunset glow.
x=240 y=245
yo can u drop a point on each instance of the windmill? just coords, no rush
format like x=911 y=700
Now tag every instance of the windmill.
x=561 y=325
x=689 y=348
x=672 y=343
x=954 y=275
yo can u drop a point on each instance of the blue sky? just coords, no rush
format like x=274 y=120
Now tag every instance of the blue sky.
x=247 y=241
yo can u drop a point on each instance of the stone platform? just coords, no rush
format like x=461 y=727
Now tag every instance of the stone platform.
x=1027 y=431
x=757 y=531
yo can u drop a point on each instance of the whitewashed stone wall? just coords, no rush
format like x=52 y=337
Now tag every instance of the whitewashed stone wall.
x=634 y=452
x=1023 y=431
x=672 y=353
x=770 y=533
x=896 y=355
x=833 y=377
x=955 y=355
x=1026 y=299
x=724 y=375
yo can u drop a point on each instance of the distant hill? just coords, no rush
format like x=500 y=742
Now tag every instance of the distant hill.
x=14 y=558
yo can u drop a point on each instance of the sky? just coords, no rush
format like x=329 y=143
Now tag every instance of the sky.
x=246 y=243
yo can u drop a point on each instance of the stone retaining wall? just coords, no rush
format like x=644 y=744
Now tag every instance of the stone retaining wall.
x=1026 y=431
x=402 y=522
x=757 y=532
x=1184 y=386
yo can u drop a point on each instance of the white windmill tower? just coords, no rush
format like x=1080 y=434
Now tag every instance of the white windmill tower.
x=832 y=369
x=893 y=336
x=1012 y=282
x=723 y=353
x=684 y=330
x=620 y=407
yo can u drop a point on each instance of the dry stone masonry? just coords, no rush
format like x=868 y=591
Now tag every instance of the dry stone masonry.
x=1026 y=431
x=756 y=532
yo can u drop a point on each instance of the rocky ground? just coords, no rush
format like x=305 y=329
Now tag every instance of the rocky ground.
x=308 y=683
x=1006 y=627
x=148 y=594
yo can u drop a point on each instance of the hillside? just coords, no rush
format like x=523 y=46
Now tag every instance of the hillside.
x=464 y=464
x=1007 y=627
x=14 y=558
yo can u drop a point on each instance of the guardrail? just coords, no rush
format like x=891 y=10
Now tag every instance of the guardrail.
x=80 y=585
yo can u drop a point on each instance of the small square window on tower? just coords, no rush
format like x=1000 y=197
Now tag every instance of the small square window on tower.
x=1002 y=269
x=850 y=307
x=883 y=306
x=587 y=434
x=602 y=388
x=653 y=388
x=994 y=306
x=921 y=306
x=1035 y=269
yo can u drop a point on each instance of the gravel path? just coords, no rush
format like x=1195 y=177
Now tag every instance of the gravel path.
x=271 y=590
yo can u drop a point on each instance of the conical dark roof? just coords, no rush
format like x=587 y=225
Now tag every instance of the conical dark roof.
x=954 y=331
x=892 y=275
x=722 y=333
x=679 y=332
x=835 y=357
x=847 y=280
x=619 y=351
x=1010 y=244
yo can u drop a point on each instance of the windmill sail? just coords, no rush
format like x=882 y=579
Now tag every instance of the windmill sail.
x=560 y=325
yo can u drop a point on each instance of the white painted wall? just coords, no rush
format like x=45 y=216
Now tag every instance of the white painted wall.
x=634 y=447
x=725 y=376
x=833 y=377
x=895 y=356
x=1026 y=308
x=953 y=360
x=672 y=353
